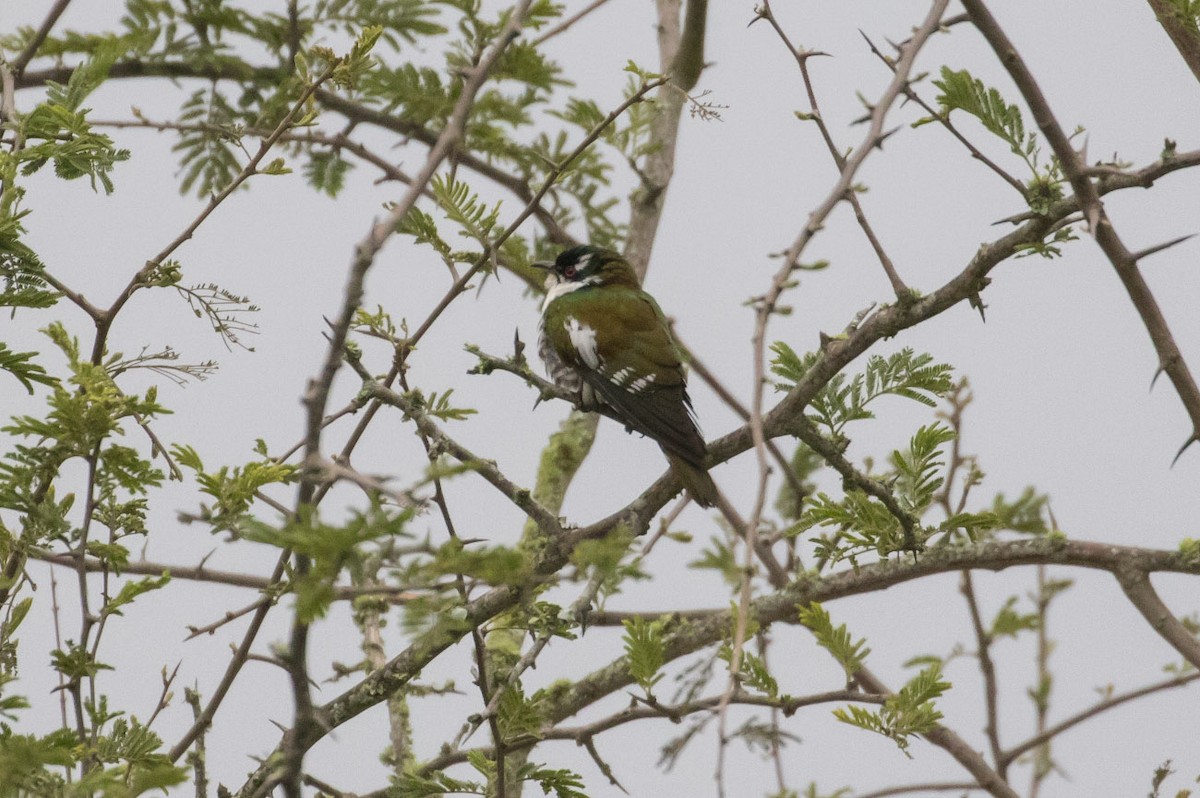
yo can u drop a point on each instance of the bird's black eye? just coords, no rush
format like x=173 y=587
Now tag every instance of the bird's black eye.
x=569 y=271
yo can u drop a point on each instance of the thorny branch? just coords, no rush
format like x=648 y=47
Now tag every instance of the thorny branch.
x=761 y=427
x=306 y=720
x=1124 y=261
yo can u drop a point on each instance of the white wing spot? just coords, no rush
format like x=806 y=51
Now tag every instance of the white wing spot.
x=622 y=376
x=583 y=338
x=641 y=383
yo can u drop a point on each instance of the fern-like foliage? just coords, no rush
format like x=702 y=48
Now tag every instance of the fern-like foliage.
x=474 y=218
x=909 y=712
x=225 y=312
x=57 y=129
x=210 y=143
x=22 y=366
x=861 y=523
x=645 y=651
x=21 y=282
x=844 y=399
x=850 y=653
x=961 y=91
x=326 y=171
x=918 y=468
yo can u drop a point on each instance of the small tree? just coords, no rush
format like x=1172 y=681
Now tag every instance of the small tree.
x=489 y=160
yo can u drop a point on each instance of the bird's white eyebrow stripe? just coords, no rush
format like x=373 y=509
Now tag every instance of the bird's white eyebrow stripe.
x=583 y=338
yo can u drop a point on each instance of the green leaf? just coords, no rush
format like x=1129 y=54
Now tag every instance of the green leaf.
x=756 y=676
x=1009 y=623
x=850 y=653
x=131 y=590
x=517 y=715
x=842 y=400
x=918 y=468
x=1028 y=513
x=961 y=91
x=326 y=172
x=563 y=783
x=20 y=366
x=645 y=651
x=907 y=713
x=719 y=557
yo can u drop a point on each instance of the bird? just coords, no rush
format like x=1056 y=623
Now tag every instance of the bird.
x=606 y=341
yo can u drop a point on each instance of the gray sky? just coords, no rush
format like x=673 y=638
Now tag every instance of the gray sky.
x=1060 y=371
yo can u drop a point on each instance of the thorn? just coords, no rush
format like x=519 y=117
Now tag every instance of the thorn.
x=977 y=303
x=885 y=136
x=1016 y=218
x=1191 y=439
x=1148 y=251
x=1158 y=372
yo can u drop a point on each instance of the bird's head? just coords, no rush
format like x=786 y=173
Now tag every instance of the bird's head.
x=588 y=265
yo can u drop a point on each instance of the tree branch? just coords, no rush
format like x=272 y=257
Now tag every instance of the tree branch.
x=1136 y=584
x=1123 y=261
x=1183 y=36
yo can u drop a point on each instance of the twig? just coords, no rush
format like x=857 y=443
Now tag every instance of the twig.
x=983 y=645
x=54 y=611
x=164 y=698
x=855 y=479
x=935 y=786
x=230 y=616
x=369 y=620
x=233 y=579
x=21 y=61
x=1042 y=759
x=944 y=121
x=645 y=711
x=104 y=322
x=197 y=758
x=1050 y=732
x=202 y=722
x=899 y=288
x=336 y=141
x=568 y=22
x=520 y=497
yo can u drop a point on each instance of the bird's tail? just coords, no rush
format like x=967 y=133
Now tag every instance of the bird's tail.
x=697 y=481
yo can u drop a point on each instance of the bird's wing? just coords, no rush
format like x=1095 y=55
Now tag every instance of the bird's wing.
x=624 y=350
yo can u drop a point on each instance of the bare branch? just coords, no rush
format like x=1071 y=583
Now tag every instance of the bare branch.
x=1185 y=39
x=1123 y=261
x=21 y=61
x=1136 y=584
x=1049 y=733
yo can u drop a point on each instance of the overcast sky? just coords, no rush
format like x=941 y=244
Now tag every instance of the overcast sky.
x=1061 y=372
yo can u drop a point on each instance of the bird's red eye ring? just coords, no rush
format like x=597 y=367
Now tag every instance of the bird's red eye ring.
x=569 y=271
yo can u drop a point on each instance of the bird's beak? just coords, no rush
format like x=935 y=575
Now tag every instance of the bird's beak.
x=547 y=265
